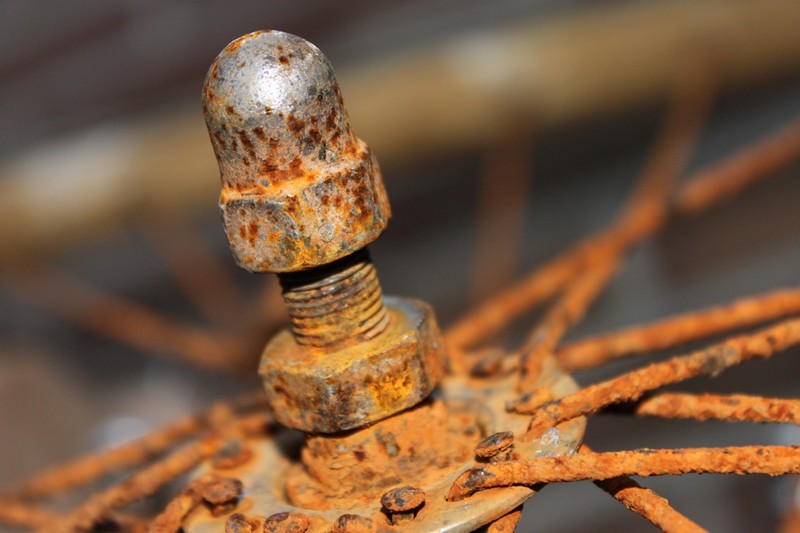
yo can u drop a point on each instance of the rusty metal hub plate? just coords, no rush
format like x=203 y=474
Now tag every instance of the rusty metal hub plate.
x=265 y=475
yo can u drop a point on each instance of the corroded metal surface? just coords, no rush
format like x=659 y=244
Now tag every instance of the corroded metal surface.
x=327 y=391
x=417 y=446
x=265 y=476
x=337 y=304
x=302 y=196
x=299 y=189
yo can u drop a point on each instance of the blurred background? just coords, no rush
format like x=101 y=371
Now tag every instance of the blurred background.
x=505 y=130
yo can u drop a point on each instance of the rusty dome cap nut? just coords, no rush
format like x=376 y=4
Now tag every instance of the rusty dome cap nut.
x=299 y=189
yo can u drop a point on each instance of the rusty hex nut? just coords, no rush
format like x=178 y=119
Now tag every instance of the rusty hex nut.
x=299 y=189
x=328 y=391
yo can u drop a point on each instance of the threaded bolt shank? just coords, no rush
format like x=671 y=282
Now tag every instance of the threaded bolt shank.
x=335 y=304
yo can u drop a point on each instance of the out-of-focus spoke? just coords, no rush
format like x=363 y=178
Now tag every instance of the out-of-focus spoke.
x=733 y=174
x=196 y=269
x=148 y=480
x=673 y=331
x=644 y=214
x=646 y=503
x=502 y=198
x=633 y=385
x=732 y=408
x=92 y=467
x=127 y=321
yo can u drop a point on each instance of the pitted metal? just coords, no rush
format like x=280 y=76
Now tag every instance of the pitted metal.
x=302 y=196
x=331 y=391
x=299 y=189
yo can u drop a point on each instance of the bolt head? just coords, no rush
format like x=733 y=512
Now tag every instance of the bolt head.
x=299 y=189
x=328 y=391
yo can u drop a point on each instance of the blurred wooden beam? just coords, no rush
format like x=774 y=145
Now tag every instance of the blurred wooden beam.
x=459 y=93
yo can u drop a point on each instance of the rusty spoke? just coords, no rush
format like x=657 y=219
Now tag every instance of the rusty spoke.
x=646 y=503
x=769 y=460
x=196 y=269
x=632 y=385
x=19 y=513
x=127 y=321
x=93 y=467
x=148 y=480
x=644 y=214
x=733 y=174
x=673 y=331
x=732 y=408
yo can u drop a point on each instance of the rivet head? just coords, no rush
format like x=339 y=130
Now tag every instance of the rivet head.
x=287 y=523
x=402 y=503
x=496 y=447
x=352 y=523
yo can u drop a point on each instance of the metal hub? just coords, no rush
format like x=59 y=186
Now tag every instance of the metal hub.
x=483 y=400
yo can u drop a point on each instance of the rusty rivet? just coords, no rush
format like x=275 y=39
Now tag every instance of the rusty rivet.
x=402 y=504
x=496 y=447
x=530 y=401
x=489 y=363
x=222 y=494
x=232 y=454
x=239 y=523
x=353 y=523
x=287 y=523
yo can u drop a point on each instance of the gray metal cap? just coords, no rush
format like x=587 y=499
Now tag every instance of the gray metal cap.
x=299 y=189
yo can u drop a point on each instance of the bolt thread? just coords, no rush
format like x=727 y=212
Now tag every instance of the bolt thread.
x=335 y=304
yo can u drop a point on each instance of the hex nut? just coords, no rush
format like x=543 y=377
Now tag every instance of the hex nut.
x=299 y=189
x=326 y=392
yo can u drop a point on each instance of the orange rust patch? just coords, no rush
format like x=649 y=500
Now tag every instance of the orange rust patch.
x=252 y=233
x=295 y=124
x=267 y=167
x=417 y=444
x=330 y=122
x=235 y=45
